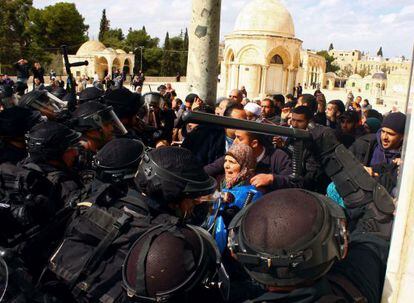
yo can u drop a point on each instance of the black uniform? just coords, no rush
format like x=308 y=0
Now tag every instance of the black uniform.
x=358 y=278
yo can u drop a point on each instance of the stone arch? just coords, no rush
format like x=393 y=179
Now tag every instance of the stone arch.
x=282 y=52
x=116 y=64
x=249 y=54
x=127 y=66
x=101 y=67
x=229 y=56
x=276 y=59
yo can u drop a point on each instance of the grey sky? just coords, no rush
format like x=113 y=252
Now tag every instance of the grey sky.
x=351 y=24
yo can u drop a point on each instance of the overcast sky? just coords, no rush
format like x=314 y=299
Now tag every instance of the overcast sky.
x=348 y=24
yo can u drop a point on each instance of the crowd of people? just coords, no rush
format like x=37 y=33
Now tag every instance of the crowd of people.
x=124 y=200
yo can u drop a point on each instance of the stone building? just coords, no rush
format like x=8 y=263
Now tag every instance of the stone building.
x=263 y=54
x=373 y=64
x=346 y=60
x=102 y=60
x=354 y=61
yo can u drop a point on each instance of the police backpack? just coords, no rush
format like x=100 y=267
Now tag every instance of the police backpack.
x=27 y=201
x=90 y=258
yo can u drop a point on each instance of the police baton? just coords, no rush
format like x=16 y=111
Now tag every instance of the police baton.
x=299 y=135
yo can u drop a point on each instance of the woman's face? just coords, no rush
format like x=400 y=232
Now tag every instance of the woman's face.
x=231 y=167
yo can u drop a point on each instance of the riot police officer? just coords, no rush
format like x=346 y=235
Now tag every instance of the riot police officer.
x=90 y=94
x=158 y=117
x=14 y=123
x=191 y=271
x=53 y=150
x=295 y=245
x=44 y=102
x=102 y=233
x=126 y=106
x=172 y=178
x=114 y=168
x=97 y=123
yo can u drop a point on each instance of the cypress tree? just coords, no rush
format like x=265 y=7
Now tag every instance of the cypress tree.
x=104 y=26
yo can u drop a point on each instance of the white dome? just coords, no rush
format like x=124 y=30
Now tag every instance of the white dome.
x=265 y=17
x=89 y=47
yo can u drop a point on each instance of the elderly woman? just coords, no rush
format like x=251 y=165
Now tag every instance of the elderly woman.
x=239 y=166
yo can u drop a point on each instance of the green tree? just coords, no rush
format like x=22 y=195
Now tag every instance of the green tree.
x=331 y=47
x=104 y=26
x=14 y=37
x=56 y=25
x=151 y=61
x=346 y=71
x=114 y=38
x=363 y=72
x=330 y=66
x=379 y=52
x=176 y=55
x=184 y=54
x=166 y=57
x=136 y=38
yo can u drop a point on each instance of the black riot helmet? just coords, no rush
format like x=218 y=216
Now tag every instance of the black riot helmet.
x=173 y=263
x=49 y=140
x=93 y=115
x=169 y=174
x=42 y=101
x=16 y=121
x=59 y=92
x=6 y=91
x=90 y=94
x=124 y=102
x=289 y=237
x=118 y=160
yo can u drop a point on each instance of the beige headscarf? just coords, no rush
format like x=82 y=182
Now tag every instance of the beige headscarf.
x=244 y=156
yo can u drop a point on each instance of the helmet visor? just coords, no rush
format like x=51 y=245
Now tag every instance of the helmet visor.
x=99 y=119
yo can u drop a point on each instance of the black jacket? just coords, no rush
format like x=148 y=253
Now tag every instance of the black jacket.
x=275 y=161
x=39 y=73
x=313 y=176
x=360 y=275
x=22 y=70
x=363 y=148
x=10 y=153
x=206 y=142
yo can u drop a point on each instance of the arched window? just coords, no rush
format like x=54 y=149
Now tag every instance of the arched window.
x=353 y=84
x=232 y=57
x=367 y=86
x=276 y=60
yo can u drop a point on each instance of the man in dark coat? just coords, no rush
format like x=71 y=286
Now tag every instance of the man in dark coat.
x=22 y=69
x=384 y=146
x=273 y=167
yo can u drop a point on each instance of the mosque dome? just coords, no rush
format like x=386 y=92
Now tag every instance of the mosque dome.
x=120 y=51
x=265 y=17
x=89 y=47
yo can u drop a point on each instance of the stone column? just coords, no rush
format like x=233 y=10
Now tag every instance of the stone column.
x=289 y=82
x=204 y=35
x=264 y=81
x=235 y=84
x=109 y=67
